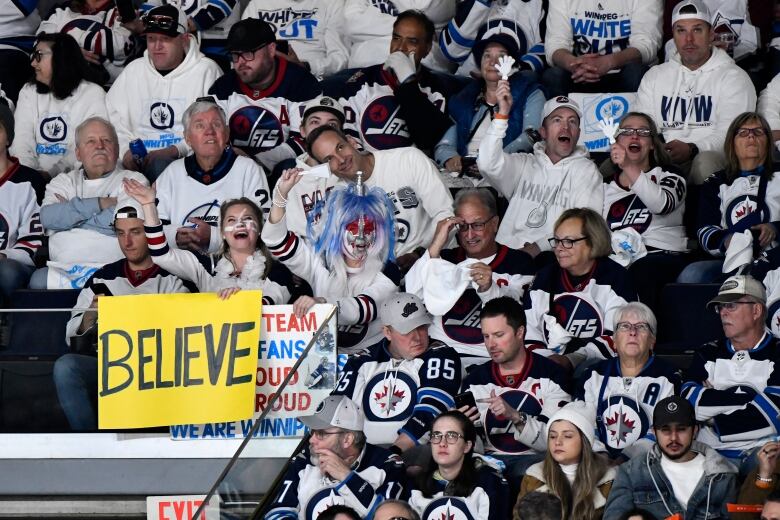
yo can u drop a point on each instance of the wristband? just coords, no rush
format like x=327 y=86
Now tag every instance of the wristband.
x=763 y=483
x=501 y=116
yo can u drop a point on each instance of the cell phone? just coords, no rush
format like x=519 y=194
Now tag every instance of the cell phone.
x=465 y=399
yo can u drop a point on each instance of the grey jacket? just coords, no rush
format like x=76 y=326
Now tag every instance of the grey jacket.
x=642 y=483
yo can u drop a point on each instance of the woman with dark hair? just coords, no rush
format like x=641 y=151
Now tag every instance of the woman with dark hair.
x=51 y=106
x=571 y=470
x=571 y=304
x=745 y=196
x=645 y=202
x=458 y=479
x=242 y=263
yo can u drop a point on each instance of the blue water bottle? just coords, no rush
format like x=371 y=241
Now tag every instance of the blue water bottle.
x=138 y=151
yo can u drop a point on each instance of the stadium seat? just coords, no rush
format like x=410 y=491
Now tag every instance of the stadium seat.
x=38 y=335
x=684 y=323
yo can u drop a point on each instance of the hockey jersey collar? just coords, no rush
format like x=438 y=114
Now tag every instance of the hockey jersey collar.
x=765 y=340
x=502 y=380
x=214 y=175
x=137 y=278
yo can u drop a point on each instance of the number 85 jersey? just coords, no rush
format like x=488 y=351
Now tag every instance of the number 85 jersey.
x=401 y=395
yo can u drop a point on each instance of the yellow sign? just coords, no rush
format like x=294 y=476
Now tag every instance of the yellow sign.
x=168 y=359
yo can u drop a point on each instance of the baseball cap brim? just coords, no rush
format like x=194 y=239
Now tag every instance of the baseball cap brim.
x=318 y=108
x=314 y=422
x=408 y=325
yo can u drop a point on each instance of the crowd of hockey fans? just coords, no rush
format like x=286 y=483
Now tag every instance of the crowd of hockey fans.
x=418 y=163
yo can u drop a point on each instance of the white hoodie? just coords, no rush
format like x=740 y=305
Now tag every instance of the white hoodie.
x=538 y=190
x=696 y=106
x=769 y=103
x=144 y=104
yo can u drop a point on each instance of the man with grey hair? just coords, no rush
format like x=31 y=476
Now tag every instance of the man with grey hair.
x=395 y=510
x=78 y=210
x=454 y=283
x=734 y=383
x=338 y=467
x=191 y=190
x=622 y=391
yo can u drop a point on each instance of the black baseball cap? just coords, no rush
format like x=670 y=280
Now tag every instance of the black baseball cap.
x=165 y=19
x=673 y=409
x=250 y=34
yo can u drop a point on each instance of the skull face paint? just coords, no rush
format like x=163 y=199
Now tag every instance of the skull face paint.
x=359 y=236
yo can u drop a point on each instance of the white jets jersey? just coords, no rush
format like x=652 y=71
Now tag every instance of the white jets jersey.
x=653 y=206
x=740 y=198
x=488 y=500
x=20 y=221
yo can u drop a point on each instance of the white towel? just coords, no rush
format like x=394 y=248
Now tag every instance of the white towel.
x=739 y=252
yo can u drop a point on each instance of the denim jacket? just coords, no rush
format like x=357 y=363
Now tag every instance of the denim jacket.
x=642 y=483
x=467 y=110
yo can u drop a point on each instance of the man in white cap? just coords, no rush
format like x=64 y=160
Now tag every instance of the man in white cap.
x=734 y=383
x=75 y=373
x=338 y=467
x=539 y=186
x=695 y=95
x=405 y=381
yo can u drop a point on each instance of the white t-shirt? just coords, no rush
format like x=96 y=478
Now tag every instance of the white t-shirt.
x=684 y=476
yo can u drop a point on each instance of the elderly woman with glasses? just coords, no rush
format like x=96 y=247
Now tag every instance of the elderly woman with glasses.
x=745 y=196
x=458 y=479
x=571 y=304
x=646 y=199
x=62 y=94
x=622 y=391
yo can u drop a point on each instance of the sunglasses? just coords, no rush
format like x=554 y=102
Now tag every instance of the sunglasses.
x=160 y=22
x=37 y=55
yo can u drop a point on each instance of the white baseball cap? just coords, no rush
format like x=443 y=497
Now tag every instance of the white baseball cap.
x=560 y=102
x=691 y=10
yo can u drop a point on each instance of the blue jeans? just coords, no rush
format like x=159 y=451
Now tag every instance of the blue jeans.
x=557 y=81
x=704 y=271
x=75 y=377
x=13 y=275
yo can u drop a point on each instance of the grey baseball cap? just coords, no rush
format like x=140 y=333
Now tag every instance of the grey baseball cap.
x=404 y=312
x=335 y=411
x=735 y=287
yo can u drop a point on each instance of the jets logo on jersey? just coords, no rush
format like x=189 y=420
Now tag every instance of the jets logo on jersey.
x=188 y=6
x=629 y=211
x=161 y=116
x=208 y=212
x=622 y=422
x=385 y=6
x=5 y=230
x=499 y=429
x=255 y=129
x=462 y=323
x=577 y=316
x=447 y=508
x=504 y=26
x=322 y=500
x=53 y=129
x=382 y=127
x=351 y=335
x=407 y=197
x=389 y=398
x=740 y=208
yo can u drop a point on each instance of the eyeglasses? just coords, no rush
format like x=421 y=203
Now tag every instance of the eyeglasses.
x=37 y=55
x=322 y=434
x=245 y=55
x=639 y=328
x=729 y=306
x=160 y=22
x=641 y=132
x=567 y=243
x=755 y=132
x=474 y=226
x=451 y=437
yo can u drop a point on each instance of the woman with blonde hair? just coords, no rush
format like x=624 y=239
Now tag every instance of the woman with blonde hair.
x=580 y=478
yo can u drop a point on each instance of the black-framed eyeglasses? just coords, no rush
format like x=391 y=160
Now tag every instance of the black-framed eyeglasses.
x=567 y=243
x=38 y=55
x=160 y=22
x=245 y=55
x=474 y=226
x=450 y=437
x=639 y=328
x=322 y=434
x=729 y=306
x=641 y=132
x=755 y=132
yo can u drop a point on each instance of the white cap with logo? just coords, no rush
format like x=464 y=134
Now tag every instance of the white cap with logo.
x=691 y=10
x=560 y=102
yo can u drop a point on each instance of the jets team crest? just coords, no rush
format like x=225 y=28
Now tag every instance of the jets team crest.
x=53 y=129
x=322 y=500
x=578 y=316
x=622 y=422
x=161 y=116
x=447 y=508
x=208 y=212
x=499 y=430
x=382 y=126
x=629 y=211
x=390 y=398
x=255 y=129
x=740 y=208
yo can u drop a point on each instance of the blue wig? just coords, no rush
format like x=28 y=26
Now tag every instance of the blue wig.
x=344 y=205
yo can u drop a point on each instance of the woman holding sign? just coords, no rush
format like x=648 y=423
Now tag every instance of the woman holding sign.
x=243 y=263
x=349 y=264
